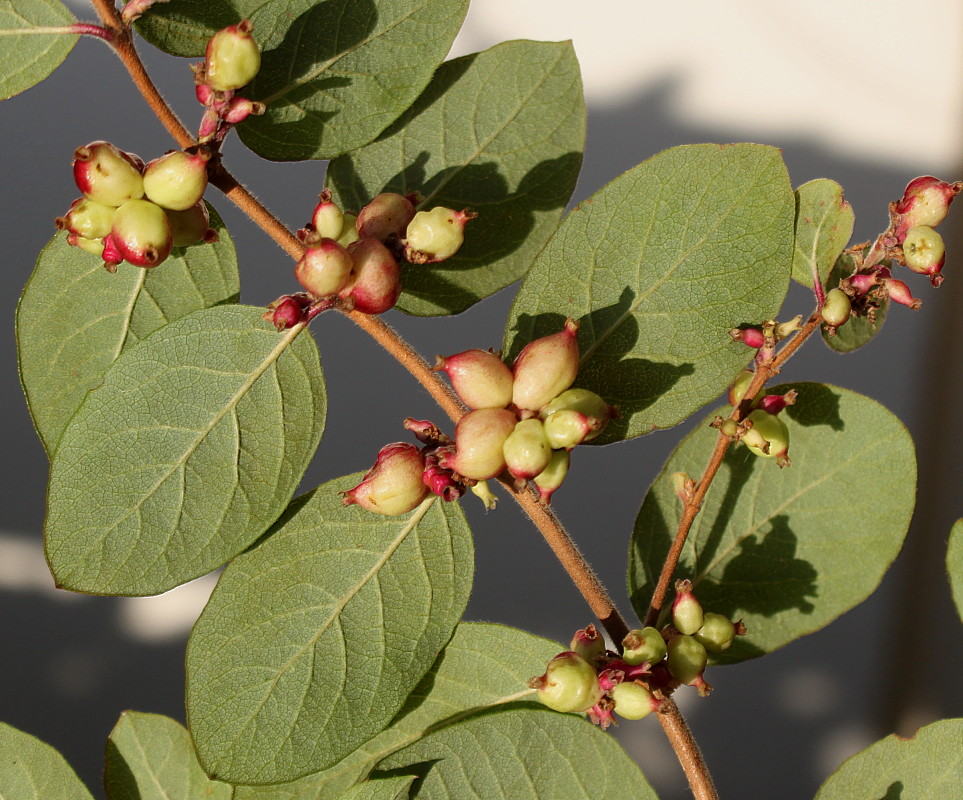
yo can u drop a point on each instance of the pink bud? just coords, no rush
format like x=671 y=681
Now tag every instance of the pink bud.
x=899 y=292
x=479 y=377
x=426 y=431
x=240 y=108
x=750 y=337
x=774 y=403
x=375 y=282
x=545 y=368
x=327 y=218
x=287 y=311
x=204 y=94
x=393 y=485
x=926 y=201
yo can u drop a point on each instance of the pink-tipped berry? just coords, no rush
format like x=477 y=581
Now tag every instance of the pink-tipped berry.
x=643 y=646
x=569 y=684
x=567 y=428
x=142 y=233
x=106 y=174
x=233 y=57
x=324 y=269
x=240 y=108
x=550 y=478
x=924 y=251
x=588 y=643
x=435 y=235
x=687 y=614
x=177 y=180
x=545 y=368
x=926 y=201
x=87 y=218
x=393 y=485
x=385 y=217
x=586 y=402
x=479 y=440
x=900 y=293
x=633 y=700
x=375 y=282
x=479 y=377
x=327 y=218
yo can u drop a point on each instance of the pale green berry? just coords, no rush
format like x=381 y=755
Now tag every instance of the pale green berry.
x=586 y=402
x=479 y=377
x=233 y=58
x=192 y=225
x=550 y=478
x=526 y=449
x=328 y=219
x=643 y=645
x=349 y=230
x=324 y=269
x=87 y=219
x=567 y=428
x=588 y=643
x=687 y=614
x=479 y=443
x=176 y=181
x=632 y=700
x=141 y=232
x=924 y=250
x=687 y=659
x=545 y=368
x=739 y=386
x=394 y=484
x=569 y=684
x=836 y=309
x=717 y=633
x=435 y=235
x=768 y=437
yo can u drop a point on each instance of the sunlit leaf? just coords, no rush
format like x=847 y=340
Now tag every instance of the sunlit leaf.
x=824 y=223
x=29 y=50
x=32 y=770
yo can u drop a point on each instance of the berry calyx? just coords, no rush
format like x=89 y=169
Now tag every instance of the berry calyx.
x=435 y=235
x=527 y=452
x=479 y=441
x=106 y=174
x=324 y=269
x=550 y=478
x=545 y=368
x=87 y=218
x=569 y=684
x=924 y=251
x=716 y=634
x=233 y=57
x=633 y=700
x=385 y=217
x=643 y=646
x=375 y=282
x=177 y=180
x=394 y=485
x=836 y=308
x=479 y=377
x=687 y=614
x=141 y=233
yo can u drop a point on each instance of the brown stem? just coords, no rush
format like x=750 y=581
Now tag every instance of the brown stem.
x=687 y=751
x=764 y=372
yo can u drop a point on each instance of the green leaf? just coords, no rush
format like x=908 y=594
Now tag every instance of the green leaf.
x=954 y=565
x=75 y=318
x=858 y=331
x=483 y=665
x=190 y=449
x=29 y=51
x=467 y=143
x=524 y=754
x=150 y=757
x=312 y=641
x=32 y=770
x=930 y=765
x=786 y=550
x=182 y=28
x=657 y=267
x=383 y=789
x=824 y=223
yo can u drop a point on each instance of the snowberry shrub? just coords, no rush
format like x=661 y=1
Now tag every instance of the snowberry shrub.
x=332 y=659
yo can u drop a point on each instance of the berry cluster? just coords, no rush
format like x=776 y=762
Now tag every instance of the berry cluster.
x=231 y=62
x=135 y=212
x=525 y=419
x=353 y=260
x=761 y=430
x=589 y=678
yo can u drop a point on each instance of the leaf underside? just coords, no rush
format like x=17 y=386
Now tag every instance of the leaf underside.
x=27 y=58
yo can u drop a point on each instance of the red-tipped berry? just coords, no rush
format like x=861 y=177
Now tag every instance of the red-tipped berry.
x=567 y=428
x=192 y=225
x=926 y=201
x=687 y=659
x=479 y=440
x=327 y=218
x=526 y=449
x=375 y=282
x=550 y=478
x=643 y=646
x=588 y=643
x=900 y=293
x=87 y=219
x=687 y=615
x=716 y=634
x=479 y=377
x=569 y=684
x=837 y=307
x=142 y=233
x=324 y=269
x=545 y=368
x=233 y=57
x=394 y=484
x=924 y=251
x=633 y=700
x=107 y=174
x=385 y=217
x=586 y=402
x=435 y=235
x=177 y=180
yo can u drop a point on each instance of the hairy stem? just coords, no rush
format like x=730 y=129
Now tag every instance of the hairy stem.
x=764 y=373
x=687 y=751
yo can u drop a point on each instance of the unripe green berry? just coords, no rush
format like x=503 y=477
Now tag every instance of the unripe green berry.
x=644 y=645
x=106 y=174
x=739 y=386
x=545 y=368
x=569 y=684
x=93 y=246
x=923 y=250
x=233 y=58
x=687 y=659
x=550 y=478
x=716 y=634
x=585 y=402
x=349 y=230
x=687 y=615
x=479 y=440
x=435 y=235
x=836 y=309
x=526 y=449
x=768 y=437
x=479 y=377
x=176 y=181
x=87 y=219
x=588 y=643
x=192 y=225
x=141 y=232
x=632 y=700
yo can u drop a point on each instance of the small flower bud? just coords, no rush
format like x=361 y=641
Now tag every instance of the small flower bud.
x=633 y=700
x=141 y=233
x=716 y=634
x=87 y=219
x=837 y=307
x=784 y=329
x=643 y=646
x=233 y=57
x=774 y=403
x=586 y=402
x=545 y=368
x=588 y=643
x=435 y=235
x=192 y=225
x=327 y=218
x=526 y=449
x=750 y=337
x=900 y=293
x=107 y=174
x=287 y=311
x=550 y=478
x=441 y=481
x=924 y=251
x=325 y=268
x=385 y=217
x=569 y=684
x=177 y=180
x=682 y=485
x=393 y=486
x=687 y=659
x=926 y=201
x=375 y=282
x=479 y=377
x=479 y=439
x=687 y=613
x=240 y=108
x=426 y=432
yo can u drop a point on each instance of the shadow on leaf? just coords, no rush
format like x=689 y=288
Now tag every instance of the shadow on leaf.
x=818 y=404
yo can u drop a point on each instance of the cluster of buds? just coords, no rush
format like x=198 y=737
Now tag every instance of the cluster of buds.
x=353 y=260
x=231 y=62
x=589 y=678
x=137 y=212
x=761 y=430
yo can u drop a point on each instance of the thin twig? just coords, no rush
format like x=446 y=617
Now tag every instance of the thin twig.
x=687 y=751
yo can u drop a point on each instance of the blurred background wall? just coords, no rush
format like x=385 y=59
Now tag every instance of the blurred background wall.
x=867 y=93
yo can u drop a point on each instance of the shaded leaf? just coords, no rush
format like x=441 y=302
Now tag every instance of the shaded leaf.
x=954 y=565
x=524 y=754
x=824 y=223
x=482 y=665
x=33 y=770
x=312 y=641
x=27 y=53
x=858 y=331
x=182 y=28
x=786 y=550
x=188 y=451
x=150 y=757
x=75 y=318
x=657 y=267
x=927 y=766
x=467 y=142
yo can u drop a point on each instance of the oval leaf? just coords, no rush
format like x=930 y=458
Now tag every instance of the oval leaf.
x=786 y=550
x=483 y=665
x=312 y=641
x=32 y=770
x=928 y=766
x=150 y=757
x=190 y=449
x=64 y=355
x=466 y=143
x=30 y=51
x=858 y=331
x=524 y=754
x=824 y=223
x=954 y=565
x=658 y=266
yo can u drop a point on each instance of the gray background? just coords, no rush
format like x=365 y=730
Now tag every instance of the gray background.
x=775 y=727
